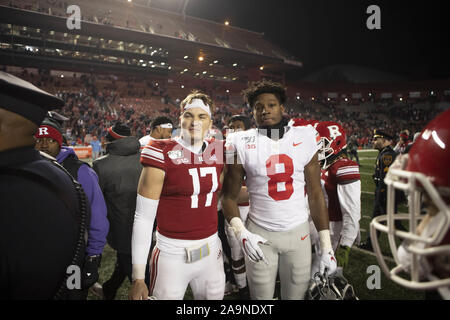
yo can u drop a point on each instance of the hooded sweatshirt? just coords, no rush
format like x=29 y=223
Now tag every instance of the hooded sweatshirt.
x=99 y=225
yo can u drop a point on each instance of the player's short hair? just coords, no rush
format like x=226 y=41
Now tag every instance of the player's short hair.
x=238 y=117
x=196 y=94
x=264 y=86
x=160 y=120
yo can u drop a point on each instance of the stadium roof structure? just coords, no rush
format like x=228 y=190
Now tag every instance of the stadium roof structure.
x=352 y=74
x=231 y=46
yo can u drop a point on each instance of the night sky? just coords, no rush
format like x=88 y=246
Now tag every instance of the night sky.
x=413 y=41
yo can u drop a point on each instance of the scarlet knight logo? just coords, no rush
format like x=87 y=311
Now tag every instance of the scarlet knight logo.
x=43 y=131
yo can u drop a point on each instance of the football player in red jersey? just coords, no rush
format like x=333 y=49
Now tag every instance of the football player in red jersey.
x=277 y=160
x=342 y=189
x=424 y=174
x=178 y=187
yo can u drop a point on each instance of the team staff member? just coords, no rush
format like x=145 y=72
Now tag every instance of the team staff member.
x=178 y=186
x=40 y=206
x=278 y=161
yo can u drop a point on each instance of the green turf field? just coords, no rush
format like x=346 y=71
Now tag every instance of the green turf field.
x=359 y=261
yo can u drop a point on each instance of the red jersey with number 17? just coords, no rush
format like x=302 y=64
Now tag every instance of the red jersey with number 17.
x=188 y=204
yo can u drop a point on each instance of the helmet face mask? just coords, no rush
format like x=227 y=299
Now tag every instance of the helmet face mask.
x=418 y=246
x=330 y=287
x=424 y=175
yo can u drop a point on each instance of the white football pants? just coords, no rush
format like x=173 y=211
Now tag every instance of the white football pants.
x=170 y=274
x=289 y=252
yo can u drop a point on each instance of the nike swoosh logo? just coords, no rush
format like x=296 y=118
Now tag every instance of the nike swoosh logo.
x=303 y=238
x=296 y=144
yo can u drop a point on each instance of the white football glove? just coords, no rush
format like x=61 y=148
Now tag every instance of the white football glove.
x=328 y=261
x=327 y=258
x=248 y=241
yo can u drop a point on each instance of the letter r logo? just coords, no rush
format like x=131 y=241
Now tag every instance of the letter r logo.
x=43 y=131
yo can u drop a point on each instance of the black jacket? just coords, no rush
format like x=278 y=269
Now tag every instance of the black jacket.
x=118 y=173
x=39 y=226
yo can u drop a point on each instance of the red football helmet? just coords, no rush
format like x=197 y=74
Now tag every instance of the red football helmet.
x=424 y=175
x=333 y=140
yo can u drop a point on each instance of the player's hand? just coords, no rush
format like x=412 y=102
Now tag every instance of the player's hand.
x=249 y=243
x=138 y=290
x=342 y=254
x=328 y=261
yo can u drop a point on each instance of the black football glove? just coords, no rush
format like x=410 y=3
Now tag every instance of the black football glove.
x=89 y=276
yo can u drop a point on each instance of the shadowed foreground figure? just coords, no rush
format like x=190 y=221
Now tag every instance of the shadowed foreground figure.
x=42 y=215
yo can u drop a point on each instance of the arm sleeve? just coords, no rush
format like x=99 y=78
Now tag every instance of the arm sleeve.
x=99 y=225
x=153 y=155
x=350 y=201
x=141 y=238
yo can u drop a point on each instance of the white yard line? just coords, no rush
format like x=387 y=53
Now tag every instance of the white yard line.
x=367 y=192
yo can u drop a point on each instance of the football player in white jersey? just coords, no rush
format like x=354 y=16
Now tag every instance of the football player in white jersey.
x=278 y=162
x=160 y=128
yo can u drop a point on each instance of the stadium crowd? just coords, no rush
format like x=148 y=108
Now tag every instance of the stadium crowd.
x=93 y=103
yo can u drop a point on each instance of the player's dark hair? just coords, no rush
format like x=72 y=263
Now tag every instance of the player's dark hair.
x=245 y=120
x=160 y=120
x=264 y=86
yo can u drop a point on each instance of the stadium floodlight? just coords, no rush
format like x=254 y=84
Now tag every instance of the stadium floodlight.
x=144 y=65
x=204 y=72
x=163 y=63
x=228 y=91
x=185 y=57
x=261 y=68
x=200 y=58
x=216 y=61
x=312 y=98
x=234 y=64
x=185 y=70
x=227 y=23
x=182 y=87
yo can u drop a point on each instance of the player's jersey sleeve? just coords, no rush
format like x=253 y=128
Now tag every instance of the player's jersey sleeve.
x=313 y=141
x=348 y=173
x=154 y=155
x=232 y=149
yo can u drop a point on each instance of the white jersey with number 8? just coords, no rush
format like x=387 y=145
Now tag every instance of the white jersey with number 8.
x=275 y=174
